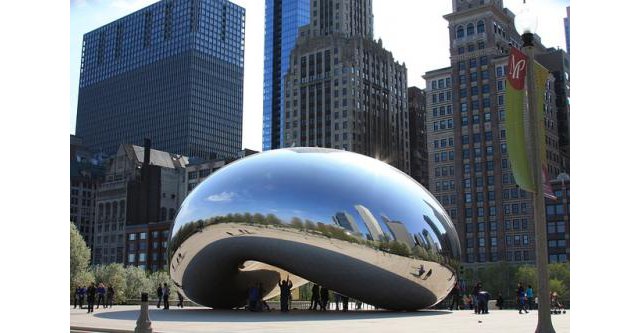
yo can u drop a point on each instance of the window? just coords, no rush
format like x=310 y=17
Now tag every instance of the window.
x=471 y=48
x=480 y=26
x=459 y=32
x=483 y=61
x=499 y=71
x=460 y=50
x=470 y=29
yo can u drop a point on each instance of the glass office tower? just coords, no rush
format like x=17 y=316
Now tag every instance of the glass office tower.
x=171 y=72
x=282 y=20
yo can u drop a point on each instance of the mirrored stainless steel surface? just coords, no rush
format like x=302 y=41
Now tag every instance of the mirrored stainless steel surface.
x=343 y=220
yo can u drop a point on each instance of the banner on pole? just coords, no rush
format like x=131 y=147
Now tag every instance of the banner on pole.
x=514 y=122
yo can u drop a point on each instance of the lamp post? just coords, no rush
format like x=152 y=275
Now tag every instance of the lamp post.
x=526 y=23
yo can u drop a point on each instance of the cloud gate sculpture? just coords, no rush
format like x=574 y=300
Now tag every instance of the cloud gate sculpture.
x=343 y=220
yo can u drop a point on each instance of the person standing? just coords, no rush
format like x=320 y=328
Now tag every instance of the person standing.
x=500 y=301
x=101 y=292
x=180 y=300
x=474 y=296
x=165 y=296
x=261 y=300
x=83 y=292
x=455 y=297
x=529 y=294
x=345 y=303
x=520 y=298
x=253 y=297
x=159 y=294
x=76 y=297
x=110 y=294
x=91 y=297
x=324 y=298
x=315 y=297
x=285 y=293
x=337 y=297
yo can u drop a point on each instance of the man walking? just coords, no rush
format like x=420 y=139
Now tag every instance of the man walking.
x=455 y=297
x=165 y=296
x=530 y=298
x=520 y=298
x=110 y=294
x=91 y=297
x=101 y=291
x=324 y=298
x=315 y=297
x=159 y=294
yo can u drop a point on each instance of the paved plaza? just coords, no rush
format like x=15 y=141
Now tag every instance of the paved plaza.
x=199 y=319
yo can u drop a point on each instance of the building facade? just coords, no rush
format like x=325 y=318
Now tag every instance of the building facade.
x=418 y=135
x=86 y=175
x=172 y=72
x=283 y=18
x=343 y=90
x=558 y=228
x=567 y=29
x=557 y=62
x=466 y=137
x=142 y=192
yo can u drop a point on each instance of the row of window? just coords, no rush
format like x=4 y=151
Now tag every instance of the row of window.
x=471 y=29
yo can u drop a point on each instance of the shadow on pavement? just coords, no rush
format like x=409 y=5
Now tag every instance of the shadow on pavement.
x=210 y=315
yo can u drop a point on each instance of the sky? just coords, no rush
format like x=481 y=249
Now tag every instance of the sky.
x=413 y=30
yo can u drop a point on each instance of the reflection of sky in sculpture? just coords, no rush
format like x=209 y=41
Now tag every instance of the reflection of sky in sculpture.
x=316 y=184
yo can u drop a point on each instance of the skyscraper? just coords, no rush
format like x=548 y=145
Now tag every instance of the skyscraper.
x=282 y=20
x=566 y=30
x=418 y=135
x=469 y=169
x=171 y=72
x=343 y=90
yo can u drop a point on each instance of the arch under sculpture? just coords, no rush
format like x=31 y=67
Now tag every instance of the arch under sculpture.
x=343 y=220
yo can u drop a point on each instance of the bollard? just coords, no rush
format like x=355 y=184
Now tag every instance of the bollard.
x=143 y=324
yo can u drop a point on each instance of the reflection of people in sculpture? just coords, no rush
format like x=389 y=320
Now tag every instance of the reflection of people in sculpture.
x=285 y=293
x=420 y=271
x=324 y=298
x=315 y=297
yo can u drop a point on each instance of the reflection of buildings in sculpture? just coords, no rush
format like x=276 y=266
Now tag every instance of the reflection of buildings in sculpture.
x=432 y=245
x=445 y=245
x=399 y=231
x=375 y=232
x=346 y=221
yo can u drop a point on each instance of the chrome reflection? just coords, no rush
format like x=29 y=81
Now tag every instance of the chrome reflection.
x=334 y=204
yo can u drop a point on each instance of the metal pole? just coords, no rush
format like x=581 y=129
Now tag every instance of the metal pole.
x=544 y=308
x=143 y=324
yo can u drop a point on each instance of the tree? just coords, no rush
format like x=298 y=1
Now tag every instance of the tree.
x=136 y=282
x=527 y=275
x=80 y=253
x=112 y=274
x=159 y=278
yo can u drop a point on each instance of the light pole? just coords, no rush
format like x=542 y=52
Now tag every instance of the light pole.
x=526 y=23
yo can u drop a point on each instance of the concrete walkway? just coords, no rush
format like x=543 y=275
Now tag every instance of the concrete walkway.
x=197 y=319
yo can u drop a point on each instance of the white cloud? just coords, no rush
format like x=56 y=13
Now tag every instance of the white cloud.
x=222 y=197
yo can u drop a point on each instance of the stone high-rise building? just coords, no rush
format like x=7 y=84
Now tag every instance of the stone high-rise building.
x=343 y=90
x=469 y=168
x=135 y=206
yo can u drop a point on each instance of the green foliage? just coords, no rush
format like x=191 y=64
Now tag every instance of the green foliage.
x=159 y=278
x=527 y=275
x=559 y=287
x=497 y=278
x=113 y=274
x=80 y=253
x=136 y=282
